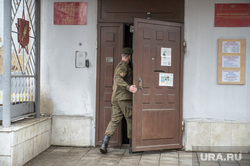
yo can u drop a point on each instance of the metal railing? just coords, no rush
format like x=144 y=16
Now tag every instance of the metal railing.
x=21 y=76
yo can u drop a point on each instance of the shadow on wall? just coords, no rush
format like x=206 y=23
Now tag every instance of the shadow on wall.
x=46 y=104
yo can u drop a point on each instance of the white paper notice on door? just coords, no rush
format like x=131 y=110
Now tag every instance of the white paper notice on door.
x=165 y=56
x=230 y=76
x=166 y=79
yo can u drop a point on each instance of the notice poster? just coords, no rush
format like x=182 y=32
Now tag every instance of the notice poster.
x=231 y=61
x=231 y=47
x=166 y=79
x=70 y=13
x=230 y=76
x=165 y=56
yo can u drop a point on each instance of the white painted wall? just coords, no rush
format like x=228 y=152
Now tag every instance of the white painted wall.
x=1 y=22
x=203 y=97
x=66 y=90
x=1 y=46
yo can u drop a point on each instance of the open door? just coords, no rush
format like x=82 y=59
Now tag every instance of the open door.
x=157 y=105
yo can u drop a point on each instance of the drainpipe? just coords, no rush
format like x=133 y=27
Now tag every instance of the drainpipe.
x=7 y=65
x=37 y=24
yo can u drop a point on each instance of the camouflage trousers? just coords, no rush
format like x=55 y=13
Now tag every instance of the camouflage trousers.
x=120 y=109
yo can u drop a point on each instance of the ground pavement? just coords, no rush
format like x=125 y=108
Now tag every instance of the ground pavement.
x=72 y=156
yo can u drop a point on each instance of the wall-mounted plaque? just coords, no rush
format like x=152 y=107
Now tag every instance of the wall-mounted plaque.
x=70 y=13
x=232 y=15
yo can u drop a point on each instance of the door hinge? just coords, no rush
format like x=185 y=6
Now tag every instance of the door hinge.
x=184 y=46
x=183 y=126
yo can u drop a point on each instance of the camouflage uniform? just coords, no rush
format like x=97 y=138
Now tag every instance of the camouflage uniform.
x=121 y=99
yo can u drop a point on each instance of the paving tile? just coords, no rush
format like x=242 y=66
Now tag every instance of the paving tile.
x=65 y=162
x=39 y=163
x=87 y=162
x=207 y=163
x=244 y=162
x=62 y=149
x=108 y=161
x=76 y=149
x=224 y=163
x=184 y=162
x=169 y=162
x=132 y=154
x=150 y=156
x=73 y=157
x=245 y=156
x=131 y=160
x=185 y=154
x=114 y=153
x=148 y=163
x=169 y=155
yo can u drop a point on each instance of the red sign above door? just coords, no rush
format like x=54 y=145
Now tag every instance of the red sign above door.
x=232 y=15
x=70 y=13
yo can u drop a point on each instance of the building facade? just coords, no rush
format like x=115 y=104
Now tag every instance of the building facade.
x=213 y=114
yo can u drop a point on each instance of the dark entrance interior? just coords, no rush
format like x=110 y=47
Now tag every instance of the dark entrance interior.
x=128 y=42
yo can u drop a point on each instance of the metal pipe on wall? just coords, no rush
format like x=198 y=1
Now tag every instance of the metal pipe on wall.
x=37 y=38
x=7 y=65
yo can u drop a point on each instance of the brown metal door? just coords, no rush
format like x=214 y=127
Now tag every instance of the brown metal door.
x=157 y=110
x=110 y=40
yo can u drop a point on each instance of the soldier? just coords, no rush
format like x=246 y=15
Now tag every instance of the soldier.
x=121 y=99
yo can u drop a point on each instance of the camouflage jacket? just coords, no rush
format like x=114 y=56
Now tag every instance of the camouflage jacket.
x=123 y=77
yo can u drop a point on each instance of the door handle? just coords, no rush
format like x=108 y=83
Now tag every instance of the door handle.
x=140 y=84
x=159 y=71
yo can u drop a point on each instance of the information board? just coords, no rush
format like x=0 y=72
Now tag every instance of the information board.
x=231 y=61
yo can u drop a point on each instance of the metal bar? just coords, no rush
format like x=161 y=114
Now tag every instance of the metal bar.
x=7 y=65
x=30 y=72
x=30 y=18
x=22 y=117
x=32 y=10
x=16 y=54
x=15 y=13
x=30 y=3
x=18 y=33
x=37 y=85
x=25 y=76
x=26 y=65
x=13 y=63
x=32 y=64
x=23 y=62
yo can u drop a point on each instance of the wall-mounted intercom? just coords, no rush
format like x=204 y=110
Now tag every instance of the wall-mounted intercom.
x=81 y=60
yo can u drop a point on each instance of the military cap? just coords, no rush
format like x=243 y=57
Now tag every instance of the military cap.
x=127 y=50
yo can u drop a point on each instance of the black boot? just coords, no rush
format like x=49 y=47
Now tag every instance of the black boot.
x=104 y=146
x=130 y=146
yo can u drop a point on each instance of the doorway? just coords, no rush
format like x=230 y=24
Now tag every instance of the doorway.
x=117 y=28
x=128 y=42
x=157 y=107
x=112 y=37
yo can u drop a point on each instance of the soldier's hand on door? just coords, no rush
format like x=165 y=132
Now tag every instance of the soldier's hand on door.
x=133 y=89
